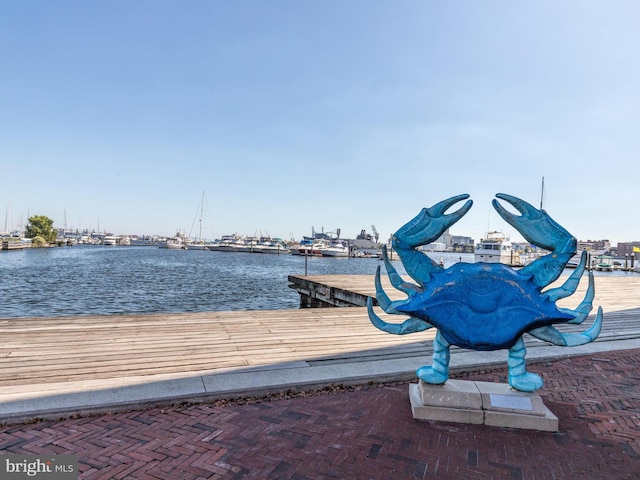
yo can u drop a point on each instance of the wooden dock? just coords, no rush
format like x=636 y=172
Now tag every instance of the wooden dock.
x=612 y=292
x=37 y=351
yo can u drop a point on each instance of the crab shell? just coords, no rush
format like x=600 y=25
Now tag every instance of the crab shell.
x=483 y=306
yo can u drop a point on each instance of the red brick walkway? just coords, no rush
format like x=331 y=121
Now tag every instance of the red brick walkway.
x=363 y=433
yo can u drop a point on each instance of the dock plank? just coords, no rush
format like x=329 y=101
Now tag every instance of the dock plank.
x=72 y=349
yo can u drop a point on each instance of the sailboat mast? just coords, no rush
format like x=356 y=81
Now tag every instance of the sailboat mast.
x=542 y=193
x=7 y=219
x=201 y=212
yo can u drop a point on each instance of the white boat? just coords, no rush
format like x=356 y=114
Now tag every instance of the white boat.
x=301 y=249
x=310 y=247
x=267 y=245
x=495 y=248
x=336 y=249
x=175 y=243
x=109 y=240
x=367 y=253
x=228 y=243
x=247 y=245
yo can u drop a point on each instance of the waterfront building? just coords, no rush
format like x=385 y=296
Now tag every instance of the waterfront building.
x=629 y=248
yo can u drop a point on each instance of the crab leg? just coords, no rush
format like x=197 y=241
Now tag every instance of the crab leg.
x=582 y=311
x=519 y=378
x=541 y=230
x=394 y=277
x=552 y=335
x=438 y=372
x=426 y=227
x=396 y=280
x=383 y=299
x=410 y=325
x=570 y=286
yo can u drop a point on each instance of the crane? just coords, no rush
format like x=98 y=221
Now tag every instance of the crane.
x=375 y=233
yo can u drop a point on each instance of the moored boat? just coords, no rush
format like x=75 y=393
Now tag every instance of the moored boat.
x=109 y=240
x=228 y=243
x=494 y=248
x=197 y=246
x=336 y=249
x=175 y=243
x=309 y=247
x=268 y=245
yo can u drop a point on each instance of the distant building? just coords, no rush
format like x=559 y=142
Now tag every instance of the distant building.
x=462 y=244
x=462 y=240
x=594 y=245
x=627 y=248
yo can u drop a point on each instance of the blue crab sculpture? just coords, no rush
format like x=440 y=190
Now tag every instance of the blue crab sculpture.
x=485 y=306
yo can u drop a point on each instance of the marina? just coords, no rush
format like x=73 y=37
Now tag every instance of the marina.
x=106 y=280
x=104 y=328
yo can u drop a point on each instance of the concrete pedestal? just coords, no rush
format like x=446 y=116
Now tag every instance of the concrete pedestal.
x=496 y=404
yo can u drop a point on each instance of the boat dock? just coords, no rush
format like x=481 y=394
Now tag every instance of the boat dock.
x=353 y=290
x=6 y=244
x=56 y=367
x=317 y=291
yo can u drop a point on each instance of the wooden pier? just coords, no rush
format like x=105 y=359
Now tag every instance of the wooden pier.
x=617 y=292
x=40 y=351
x=317 y=291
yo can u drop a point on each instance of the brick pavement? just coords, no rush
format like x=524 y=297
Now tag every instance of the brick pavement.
x=362 y=433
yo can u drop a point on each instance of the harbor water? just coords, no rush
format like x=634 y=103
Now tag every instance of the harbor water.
x=104 y=280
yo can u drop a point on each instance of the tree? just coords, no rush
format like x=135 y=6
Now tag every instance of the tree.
x=40 y=226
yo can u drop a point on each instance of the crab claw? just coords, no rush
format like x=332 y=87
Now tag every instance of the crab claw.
x=430 y=223
x=536 y=225
x=426 y=227
x=541 y=230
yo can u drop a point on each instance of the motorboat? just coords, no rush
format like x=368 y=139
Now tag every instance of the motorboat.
x=248 y=245
x=336 y=249
x=178 y=242
x=368 y=253
x=494 y=248
x=302 y=248
x=276 y=246
x=197 y=246
x=228 y=243
x=310 y=248
x=110 y=240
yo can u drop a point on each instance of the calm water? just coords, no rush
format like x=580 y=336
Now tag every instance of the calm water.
x=97 y=280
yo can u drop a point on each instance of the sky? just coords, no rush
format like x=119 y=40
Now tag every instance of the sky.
x=292 y=115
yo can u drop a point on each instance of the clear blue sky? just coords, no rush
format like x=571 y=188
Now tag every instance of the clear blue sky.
x=332 y=114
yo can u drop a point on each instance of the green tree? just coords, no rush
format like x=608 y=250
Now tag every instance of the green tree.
x=40 y=226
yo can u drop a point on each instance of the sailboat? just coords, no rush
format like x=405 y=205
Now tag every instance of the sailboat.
x=199 y=244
